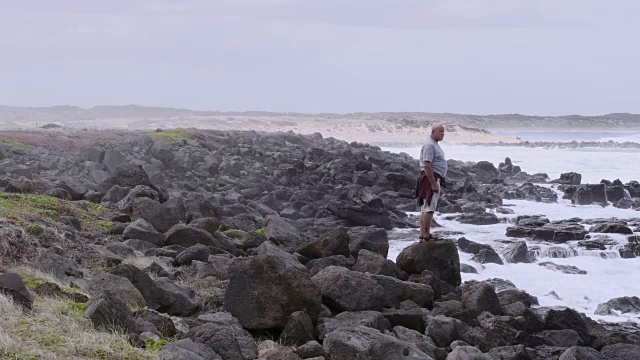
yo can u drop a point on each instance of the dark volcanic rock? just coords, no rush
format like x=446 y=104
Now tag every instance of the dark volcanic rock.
x=186 y=349
x=479 y=297
x=142 y=230
x=108 y=312
x=517 y=253
x=441 y=257
x=621 y=351
x=345 y=290
x=374 y=263
x=263 y=291
x=362 y=208
x=363 y=342
x=369 y=238
x=279 y=231
x=626 y=304
x=486 y=256
x=161 y=216
x=479 y=219
x=590 y=194
x=11 y=284
x=566 y=269
x=611 y=228
x=333 y=242
x=224 y=334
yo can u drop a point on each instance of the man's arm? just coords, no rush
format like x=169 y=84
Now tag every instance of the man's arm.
x=426 y=167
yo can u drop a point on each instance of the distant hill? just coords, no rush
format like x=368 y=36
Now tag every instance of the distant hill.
x=69 y=114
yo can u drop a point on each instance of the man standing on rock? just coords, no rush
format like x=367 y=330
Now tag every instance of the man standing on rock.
x=432 y=178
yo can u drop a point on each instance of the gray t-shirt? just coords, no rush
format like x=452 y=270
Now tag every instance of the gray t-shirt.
x=431 y=151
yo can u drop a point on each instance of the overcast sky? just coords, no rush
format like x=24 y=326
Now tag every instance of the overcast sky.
x=547 y=57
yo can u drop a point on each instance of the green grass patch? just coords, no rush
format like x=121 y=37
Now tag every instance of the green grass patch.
x=32 y=282
x=171 y=135
x=30 y=204
x=154 y=346
x=12 y=143
x=260 y=231
x=72 y=308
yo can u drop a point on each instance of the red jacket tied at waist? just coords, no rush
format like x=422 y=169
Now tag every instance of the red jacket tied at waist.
x=423 y=187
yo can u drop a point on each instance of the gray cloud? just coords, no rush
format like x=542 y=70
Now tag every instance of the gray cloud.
x=500 y=56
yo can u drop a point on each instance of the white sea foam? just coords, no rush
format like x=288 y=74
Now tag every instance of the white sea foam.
x=606 y=278
x=594 y=164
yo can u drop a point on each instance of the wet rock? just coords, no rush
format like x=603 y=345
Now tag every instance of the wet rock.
x=624 y=305
x=611 y=228
x=486 y=256
x=478 y=219
x=517 y=253
x=565 y=269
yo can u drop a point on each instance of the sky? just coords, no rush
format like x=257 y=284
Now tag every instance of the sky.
x=534 y=57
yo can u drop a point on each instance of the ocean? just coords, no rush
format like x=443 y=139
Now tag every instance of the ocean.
x=608 y=276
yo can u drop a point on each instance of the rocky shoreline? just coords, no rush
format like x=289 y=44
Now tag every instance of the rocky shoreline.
x=564 y=145
x=291 y=233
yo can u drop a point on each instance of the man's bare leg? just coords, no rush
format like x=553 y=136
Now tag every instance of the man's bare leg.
x=428 y=217
x=425 y=224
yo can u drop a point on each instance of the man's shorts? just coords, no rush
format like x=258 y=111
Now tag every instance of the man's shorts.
x=433 y=205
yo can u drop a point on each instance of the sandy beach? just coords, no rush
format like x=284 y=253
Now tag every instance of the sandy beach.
x=375 y=131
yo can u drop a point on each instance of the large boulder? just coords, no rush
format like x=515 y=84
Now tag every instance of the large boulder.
x=346 y=290
x=568 y=319
x=362 y=208
x=581 y=353
x=590 y=194
x=624 y=305
x=517 y=252
x=155 y=297
x=224 y=334
x=363 y=342
x=440 y=257
x=370 y=238
x=279 y=231
x=333 y=242
x=479 y=297
x=11 y=284
x=611 y=228
x=299 y=330
x=186 y=349
x=142 y=230
x=264 y=290
x=349 y=319
x=621 y=351
x=113 y=158
x=570 y=178
x=373 y=263
x=119 y=286
x=124 y=205
x=62 y=268
x=161 y=216
x=268 y=248
x=396 y=291
x=187 y=236
x=108 y=312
